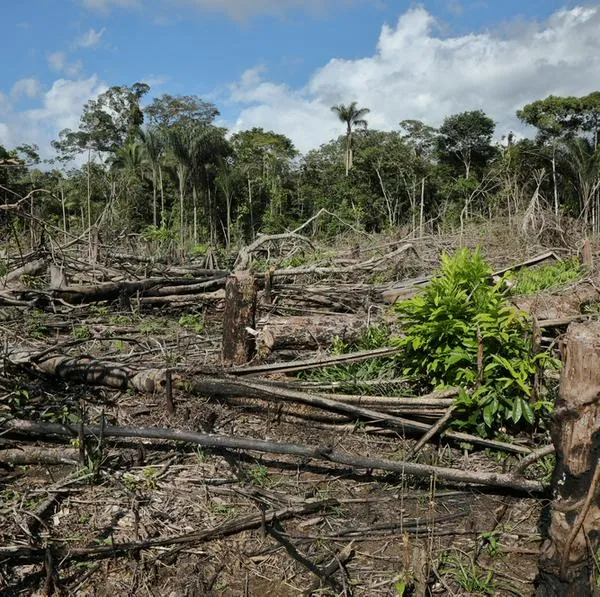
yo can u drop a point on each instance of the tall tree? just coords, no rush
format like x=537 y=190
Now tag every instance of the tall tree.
x=352 y=116
x=154 y=149
x=465 y=140
x=168 y=111
x=107 y=122
x=264 y=158
x=556 y=119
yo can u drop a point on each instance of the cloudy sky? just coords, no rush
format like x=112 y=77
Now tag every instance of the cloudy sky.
x=281 y=64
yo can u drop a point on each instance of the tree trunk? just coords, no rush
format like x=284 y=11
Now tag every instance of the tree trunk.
x=239 y=315
x=573 y=538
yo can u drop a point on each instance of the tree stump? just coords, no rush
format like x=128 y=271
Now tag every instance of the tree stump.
x=239 y=315
x=573 y=537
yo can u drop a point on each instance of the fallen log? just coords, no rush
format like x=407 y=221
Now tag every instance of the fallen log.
x=369 y=265
x=32 y=268
x=307 y=333
x=305 y=365
x=91 y=371
x=323 y=453
x=38 y=455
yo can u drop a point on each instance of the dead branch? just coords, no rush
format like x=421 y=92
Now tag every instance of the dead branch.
x=323 y=453
x=20 y=555
x=369 y=265
x=244 y=257
x=305 y=365
x=91 y=371
x=38 y=455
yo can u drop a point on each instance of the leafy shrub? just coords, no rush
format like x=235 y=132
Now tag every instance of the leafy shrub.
x=461 y=319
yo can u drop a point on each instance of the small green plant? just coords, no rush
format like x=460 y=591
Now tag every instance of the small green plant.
x=490 y=541
x=351 y=377
x=529 y=280
x=151 y=477
x=156 y=234
x=82 y=332
x=16 y=400
x=62 y=414
x=194 y=321
x=225 y=510
x=259 y=474
x=470 y=577
x=461 y=331
x=34 y=324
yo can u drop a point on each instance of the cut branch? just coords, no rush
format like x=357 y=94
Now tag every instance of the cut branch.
x=323 y=453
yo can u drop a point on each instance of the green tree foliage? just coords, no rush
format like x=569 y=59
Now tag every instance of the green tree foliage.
x=264 y=159
x=106 y=124
x=168 y=111
x=463 y=332
x=464 y=141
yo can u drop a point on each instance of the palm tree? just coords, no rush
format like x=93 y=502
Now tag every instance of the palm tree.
x=582 y=162
x=153 y=147
x=179 y=142
x=352 y=117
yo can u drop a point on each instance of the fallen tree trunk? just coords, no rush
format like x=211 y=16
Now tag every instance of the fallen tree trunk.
x=307 y=333
x=94 y=372
x=323 y=453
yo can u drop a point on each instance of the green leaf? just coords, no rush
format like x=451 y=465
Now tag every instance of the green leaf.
x=517 y=410
x=528 y=412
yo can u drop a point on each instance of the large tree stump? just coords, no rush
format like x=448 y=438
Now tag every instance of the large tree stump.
x=239 y=315
x=566 y=559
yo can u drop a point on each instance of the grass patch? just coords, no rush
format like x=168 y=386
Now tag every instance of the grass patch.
x=529 y=280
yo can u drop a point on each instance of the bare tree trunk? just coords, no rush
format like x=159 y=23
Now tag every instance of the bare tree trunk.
x=573 y=538
x=239 y=318
x=89 y=207
x=422 y=208
x=154 y=199
x=555 y=187
x=162 y=197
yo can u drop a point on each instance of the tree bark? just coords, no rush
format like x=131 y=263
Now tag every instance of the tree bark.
x=573 y=537
x=239 y=315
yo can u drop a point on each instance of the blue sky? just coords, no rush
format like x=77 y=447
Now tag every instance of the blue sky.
x=281 y=64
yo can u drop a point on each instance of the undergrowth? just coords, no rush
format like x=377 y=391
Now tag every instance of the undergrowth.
x=529 y=280
x=367 y=377
x=460 y=332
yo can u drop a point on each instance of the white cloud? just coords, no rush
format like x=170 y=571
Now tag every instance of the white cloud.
x=105 y=5
x=90 y=38
x=28 y=87
x=60 y=108
x=414 y=72
x=242 y=9
x=59 y=62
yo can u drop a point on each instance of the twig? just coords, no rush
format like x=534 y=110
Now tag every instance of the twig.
x=19 y=555
x=435 y=429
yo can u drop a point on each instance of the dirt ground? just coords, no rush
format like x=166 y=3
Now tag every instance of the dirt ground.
x=155 y=518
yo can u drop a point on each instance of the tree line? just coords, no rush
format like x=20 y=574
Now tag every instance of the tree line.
x=165 y=170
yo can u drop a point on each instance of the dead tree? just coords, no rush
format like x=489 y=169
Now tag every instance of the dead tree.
x=573 y=537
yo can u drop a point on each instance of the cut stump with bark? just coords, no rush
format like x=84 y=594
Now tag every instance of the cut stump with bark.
x=573 y=537
x=239 y=318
